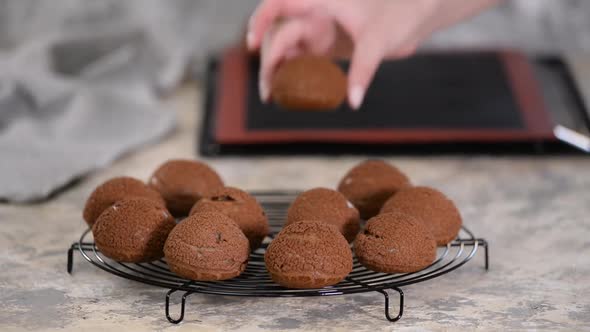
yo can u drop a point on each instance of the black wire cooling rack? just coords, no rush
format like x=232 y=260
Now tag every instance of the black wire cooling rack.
x=255 y=280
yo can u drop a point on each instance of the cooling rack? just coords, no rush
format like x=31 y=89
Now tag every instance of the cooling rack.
x=255 y=280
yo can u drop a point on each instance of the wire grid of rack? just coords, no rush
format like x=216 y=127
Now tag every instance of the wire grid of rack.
x=255 y=280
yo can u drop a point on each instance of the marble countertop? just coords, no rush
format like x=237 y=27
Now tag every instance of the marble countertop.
x=534 y=212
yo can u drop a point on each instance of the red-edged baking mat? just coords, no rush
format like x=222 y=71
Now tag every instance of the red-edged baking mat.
x=468 y=102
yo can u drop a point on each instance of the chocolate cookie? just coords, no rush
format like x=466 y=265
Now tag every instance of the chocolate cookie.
x=369 y=184
x=395 y=243
x=308 y=254
x=242 y=208
x=133 y=230
x=207 y=246
x=309 y=83
x=183 y=182
x=430 y=206
x=114 y=190
x=328 y=206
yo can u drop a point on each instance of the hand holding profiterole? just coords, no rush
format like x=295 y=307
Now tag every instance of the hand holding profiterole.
x=366 y=31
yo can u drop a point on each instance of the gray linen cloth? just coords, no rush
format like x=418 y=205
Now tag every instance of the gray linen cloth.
x=69 y=106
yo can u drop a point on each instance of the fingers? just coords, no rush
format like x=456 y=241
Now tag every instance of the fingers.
x=407 y=50
x=268 y=12
x=282 y=40
x=319 y=35
x=367 y=55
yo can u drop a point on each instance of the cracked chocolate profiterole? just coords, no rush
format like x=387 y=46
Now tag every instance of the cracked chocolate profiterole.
x=183 y=182
x=328 y=206
x=308 y=254
x=241 y=207
x=207 y=246
x=309 y=83
x=133 y=230
x=369 y=184
x=113 y=190
x=395 y=243
x=430 y=206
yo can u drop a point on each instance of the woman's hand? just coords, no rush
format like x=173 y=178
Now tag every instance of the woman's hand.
x=367 y=31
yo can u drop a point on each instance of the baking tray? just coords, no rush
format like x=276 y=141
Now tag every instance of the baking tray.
x=236 y=123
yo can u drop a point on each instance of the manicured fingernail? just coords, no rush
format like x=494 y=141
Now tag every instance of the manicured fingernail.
x=264 y=93
x=355 y=97
x=250 y=40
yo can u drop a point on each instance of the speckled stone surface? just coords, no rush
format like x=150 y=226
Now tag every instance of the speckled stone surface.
x=535 y=212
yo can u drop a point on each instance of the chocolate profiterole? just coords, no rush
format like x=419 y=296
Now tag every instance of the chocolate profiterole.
x=369 y=184
x=308 y=254
x=183 y=182
x=241 y=207
x=207 y=246
x=395 y=243
x=328 y=206
x=430 y=206
x=133 y=230
x=309 y=83
x=114 y=190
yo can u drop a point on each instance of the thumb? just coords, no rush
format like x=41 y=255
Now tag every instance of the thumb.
x=366 y=57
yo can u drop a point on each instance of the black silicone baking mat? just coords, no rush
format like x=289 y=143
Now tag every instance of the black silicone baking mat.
x=483 y=73
x=420 y=92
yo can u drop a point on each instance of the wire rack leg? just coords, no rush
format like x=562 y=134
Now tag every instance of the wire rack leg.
x=71 y=257
x=182 y=306
x=401 y=304
x=487 y=257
